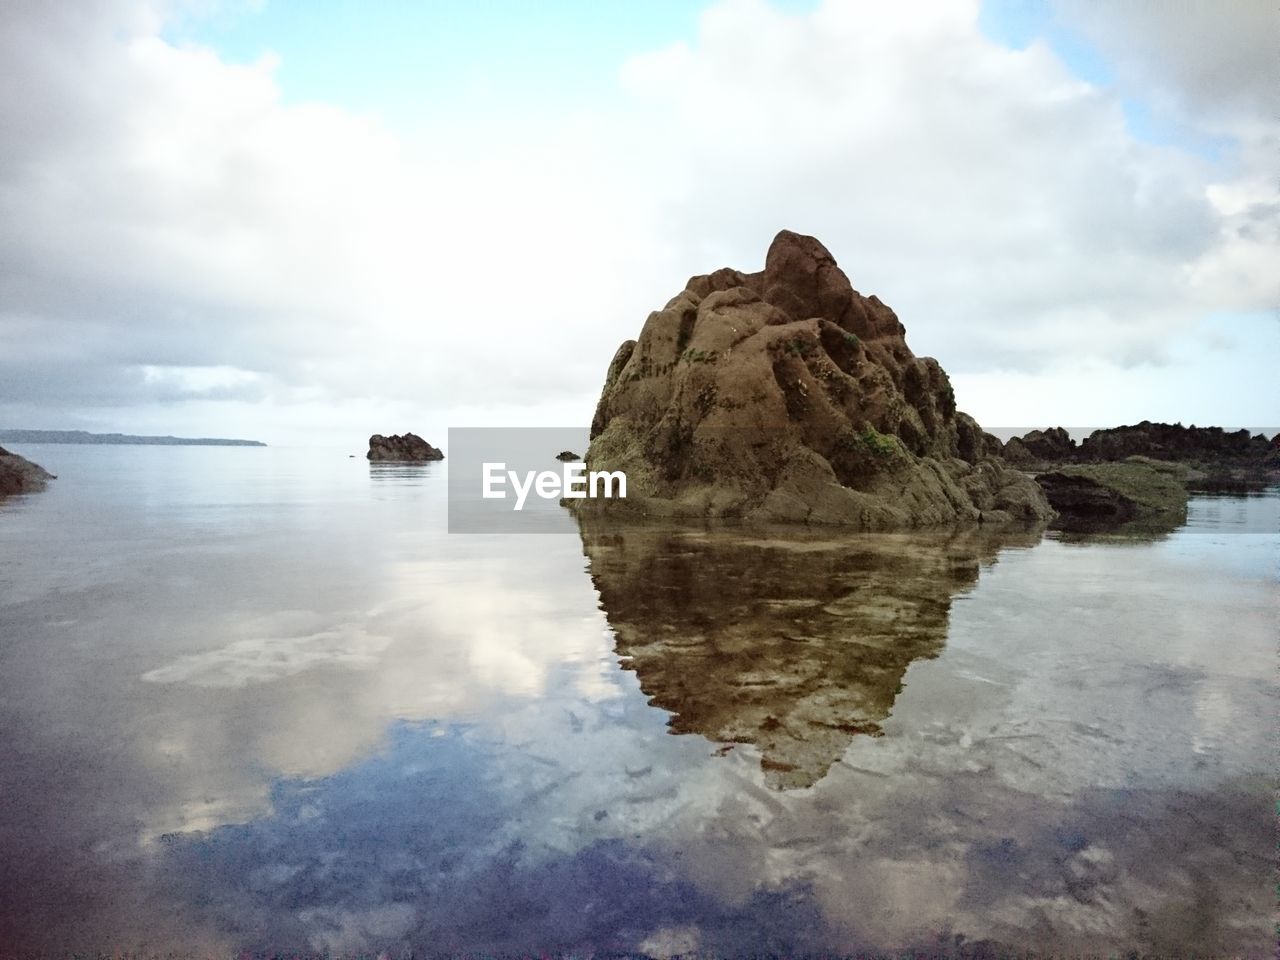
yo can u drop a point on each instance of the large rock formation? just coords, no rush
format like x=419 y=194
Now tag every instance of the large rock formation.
x=407 y=448
x=20 y=475
x=787 y=395
x=789 y=639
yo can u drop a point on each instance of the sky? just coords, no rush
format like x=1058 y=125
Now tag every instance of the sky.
x=308 y=222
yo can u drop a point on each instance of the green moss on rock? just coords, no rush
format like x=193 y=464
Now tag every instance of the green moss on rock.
x=1130 y=494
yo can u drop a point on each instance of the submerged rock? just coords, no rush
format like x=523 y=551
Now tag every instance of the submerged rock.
x=409 y=447
x=786 y=638
x=1134 y=495
x=20 y=475
x=786 y=395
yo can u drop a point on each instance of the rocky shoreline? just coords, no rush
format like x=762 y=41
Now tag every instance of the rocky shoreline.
x=1139 y=477
x=1215 y=459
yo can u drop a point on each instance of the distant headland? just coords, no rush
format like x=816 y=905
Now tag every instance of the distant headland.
x=83 y=436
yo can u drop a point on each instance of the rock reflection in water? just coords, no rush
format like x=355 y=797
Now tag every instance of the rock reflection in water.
x=793 y=640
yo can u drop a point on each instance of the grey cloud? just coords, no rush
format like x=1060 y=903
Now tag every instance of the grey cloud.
x=1216 y=60
x=162 y=208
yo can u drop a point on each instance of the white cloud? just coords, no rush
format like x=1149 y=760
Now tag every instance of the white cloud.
x=999 y=203
x=246 y=662
x=193 y=220
x=1210 y=70
x=162 y=209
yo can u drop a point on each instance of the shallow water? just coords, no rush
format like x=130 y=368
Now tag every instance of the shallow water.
x=259 y=701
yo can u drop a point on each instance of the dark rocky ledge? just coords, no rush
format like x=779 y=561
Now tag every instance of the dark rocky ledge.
x=1218 y=460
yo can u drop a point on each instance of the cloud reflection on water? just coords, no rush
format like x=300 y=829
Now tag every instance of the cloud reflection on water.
x=1071 y=763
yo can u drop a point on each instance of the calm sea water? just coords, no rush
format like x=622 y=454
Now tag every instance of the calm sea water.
x=259 y=702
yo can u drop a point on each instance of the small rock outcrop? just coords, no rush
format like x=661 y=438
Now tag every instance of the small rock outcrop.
x=20 y=475
x=1133 y=495
x=567 y=456
x=786 y=395
x=1053 y=445
x=408 y=448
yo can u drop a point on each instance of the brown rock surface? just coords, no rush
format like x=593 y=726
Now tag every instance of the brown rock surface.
x=786 y=395
x=20 y=475
x=407 y=448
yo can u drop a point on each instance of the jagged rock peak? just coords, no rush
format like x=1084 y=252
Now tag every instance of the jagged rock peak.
x=786 y=394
